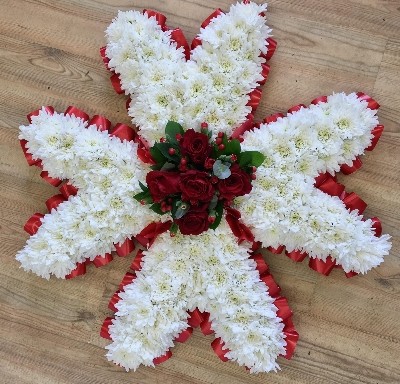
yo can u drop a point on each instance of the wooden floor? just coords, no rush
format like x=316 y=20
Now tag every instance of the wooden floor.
x=349 y=328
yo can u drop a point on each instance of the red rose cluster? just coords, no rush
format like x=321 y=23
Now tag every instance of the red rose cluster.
x=193 y=179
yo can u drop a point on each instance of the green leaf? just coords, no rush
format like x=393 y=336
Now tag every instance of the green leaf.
x=251 y=158
x=168 y=166
x=219 y=209
x=213 y=203
x=145 y=196
x=171 y=130
x=174 y=228
x=144 y=188
x=164 y=148
x=156 y=207
x=156 y=154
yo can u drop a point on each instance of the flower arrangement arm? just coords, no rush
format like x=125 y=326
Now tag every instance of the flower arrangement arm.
x=175 y=276
x=287 y=209
x=105 y=170
x=215 y=85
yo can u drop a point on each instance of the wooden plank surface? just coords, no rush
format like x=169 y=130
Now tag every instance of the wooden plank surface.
x=350 y=328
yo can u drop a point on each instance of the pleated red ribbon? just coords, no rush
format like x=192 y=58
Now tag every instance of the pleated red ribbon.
x=244 y=127
x=348 y=169
x=116 y=83
x=261 y=265
x=147 y=236
x=264 y=73
x=123 y=132
x=78 y=271
x=372 y=104
x=49 y=109
x=100 y=261
x=101 y=122
x=33 y=223
x=160 y=18
x=296 y=108
x=184 y=335
x=240 y=230
x=218 y=347
x=272 y=44
x=127 y=279
x=180 y=39
x=103 y=55
x=71 y=110
x=205 y=325
x=255 y=98
x=104 y=331
x=114 y=300
x=54 y=202
x=163 y=358
x=273 y=118
x=125 y=248
x=195 y=318
x=215 y=14
x=68 y=190
x=137 y=261
x=323 y=267
x=377 y=133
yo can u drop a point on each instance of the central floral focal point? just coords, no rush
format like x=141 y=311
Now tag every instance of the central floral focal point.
x=195 y=177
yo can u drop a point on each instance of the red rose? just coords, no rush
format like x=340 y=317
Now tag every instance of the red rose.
x=162 y=183
x=237 y=184
x=195 y=221
x=195 y=145
x=196 y=186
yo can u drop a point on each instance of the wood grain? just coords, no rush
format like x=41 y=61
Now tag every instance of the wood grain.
x=349 y=327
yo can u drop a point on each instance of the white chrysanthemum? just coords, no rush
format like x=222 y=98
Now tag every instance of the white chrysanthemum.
x=107 y=173
x=213 y=86
x=284 y=208
x=178 y=275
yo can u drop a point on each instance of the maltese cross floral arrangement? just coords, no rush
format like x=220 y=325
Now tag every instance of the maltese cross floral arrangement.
x=202 y=187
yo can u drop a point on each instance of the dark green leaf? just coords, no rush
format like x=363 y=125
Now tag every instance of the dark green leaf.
x=168 y=166
x=174 y=228
x=157 y=156
x=164 y=148
x=219 y=209
x=156 y=207
x=171 y=130
x=251 y=158
x=144 y=196
x=144 y=188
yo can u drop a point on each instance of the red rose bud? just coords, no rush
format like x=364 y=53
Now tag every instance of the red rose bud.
x=142 y=202
x=253 y=169
x=221 y=147
x=178 y=136
x=172 y=234
x=182 y=168
x=237 y=184
x=195 y=145
x=220 y=135
x=163 y=140
x=161 y=184
x=214 y=180
x=204 y=125
x=183 y=161
x=196 y=186
x=208 y=164
x=171 y=151
x=233 y=157
x=253 y=176
x=218 y=141
x=211 y=219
